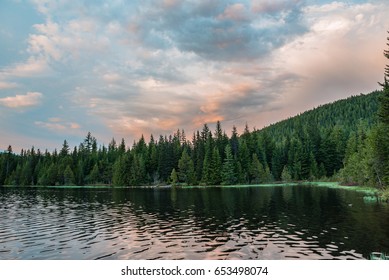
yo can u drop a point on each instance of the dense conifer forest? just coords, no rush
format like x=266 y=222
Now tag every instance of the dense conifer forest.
x=347 y=141
x=328 y=141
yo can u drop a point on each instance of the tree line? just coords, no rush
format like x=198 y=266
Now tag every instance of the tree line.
x=317 y=144
x=347 y=140
x=367 y=158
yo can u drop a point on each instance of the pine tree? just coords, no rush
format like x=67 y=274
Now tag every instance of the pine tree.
x=207 y=168
x=381 y=141
x=120 y=172
x=285 y=175
x=186 y=172
x=234 y=142
x=94 y=175
x=220 y=139
x=216 y=166
x=9 y=160
x=228 y=169
x=174 y=177
x=65 y=149
x=257 y=172
x=208 y=159
x=68 y=176
x=52 y=175
x=268 y=175
x=244 y=160
x=122 y=147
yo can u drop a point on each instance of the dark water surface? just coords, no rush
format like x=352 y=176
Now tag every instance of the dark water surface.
x=299 y=222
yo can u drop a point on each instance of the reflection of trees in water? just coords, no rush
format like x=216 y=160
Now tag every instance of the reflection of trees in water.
x=213 y=222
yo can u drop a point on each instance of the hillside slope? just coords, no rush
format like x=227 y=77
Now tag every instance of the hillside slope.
x=312 y=145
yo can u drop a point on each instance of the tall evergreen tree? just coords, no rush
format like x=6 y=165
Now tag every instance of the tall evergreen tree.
x=174 y=177
x=285 y=175
x=94 y=175
x=68 y=175
x=186 y=172
x=228 y=170
x=381 y=141
x=120 y=172
x=216 y=166
x=257 y=172
x=65 y=149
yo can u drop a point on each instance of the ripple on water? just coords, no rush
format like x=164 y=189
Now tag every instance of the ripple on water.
x=71 y=227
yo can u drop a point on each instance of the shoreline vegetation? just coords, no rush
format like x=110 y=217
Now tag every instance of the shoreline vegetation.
x=371 y=194
x=324 y=144
x=335 y=142
x=346 y=141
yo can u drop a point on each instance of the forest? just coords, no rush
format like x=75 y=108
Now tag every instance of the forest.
x=333 y=141
x=345 y=141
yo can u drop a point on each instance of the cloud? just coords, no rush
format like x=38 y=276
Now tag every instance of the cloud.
x=112 y=77
x=56 y=124
x=235 y=12
x=231 y=33
x=70 y=40
x=273 y=6
x=341 y=55
x=20 y=101
x=7 y=85
x=34 y=66
x=126 y=68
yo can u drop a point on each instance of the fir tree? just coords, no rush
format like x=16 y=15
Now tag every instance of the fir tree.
x=186 y=172
x=94 y=176
x=120 y=172
x=381 y=141
x=257 y=172
x=65 y=149
x=228 y=169
x=285 y=175
x=68 y=175
x=216 y=166
x=173 y=177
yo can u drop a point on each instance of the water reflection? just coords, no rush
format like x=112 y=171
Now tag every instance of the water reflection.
x=205 y=223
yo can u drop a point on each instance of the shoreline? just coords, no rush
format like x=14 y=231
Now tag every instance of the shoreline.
x=168 y=186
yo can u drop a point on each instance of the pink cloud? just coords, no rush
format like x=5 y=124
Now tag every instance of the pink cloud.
x=34 y=66
x=7 y=85
x=236 y=12
x=58 y=125
x=18 y=101
x=271 y=6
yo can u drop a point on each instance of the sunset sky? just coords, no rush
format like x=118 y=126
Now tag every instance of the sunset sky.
x=126 y=68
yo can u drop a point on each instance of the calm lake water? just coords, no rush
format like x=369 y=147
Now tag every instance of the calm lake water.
x=299 y=222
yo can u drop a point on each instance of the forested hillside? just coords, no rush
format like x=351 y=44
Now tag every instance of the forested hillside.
x=316 y=143
x=313 y=145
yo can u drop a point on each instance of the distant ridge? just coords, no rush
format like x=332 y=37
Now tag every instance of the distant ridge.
x=346 y=113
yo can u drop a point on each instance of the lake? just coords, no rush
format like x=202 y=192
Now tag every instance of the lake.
x=275 y=222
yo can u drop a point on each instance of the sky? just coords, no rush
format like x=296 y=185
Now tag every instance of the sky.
x=124 y=69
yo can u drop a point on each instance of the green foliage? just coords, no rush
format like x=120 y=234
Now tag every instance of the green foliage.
x=285 y=175
x=384 y=196
x=359 y=159
x=68 y=175
x=174 y=177
x=367 y=154
x=318 y=143
x=257 y=172
x=120 y=176
x=228 y=171
x=186 y=171
x=94 y=175
x=381 y=138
